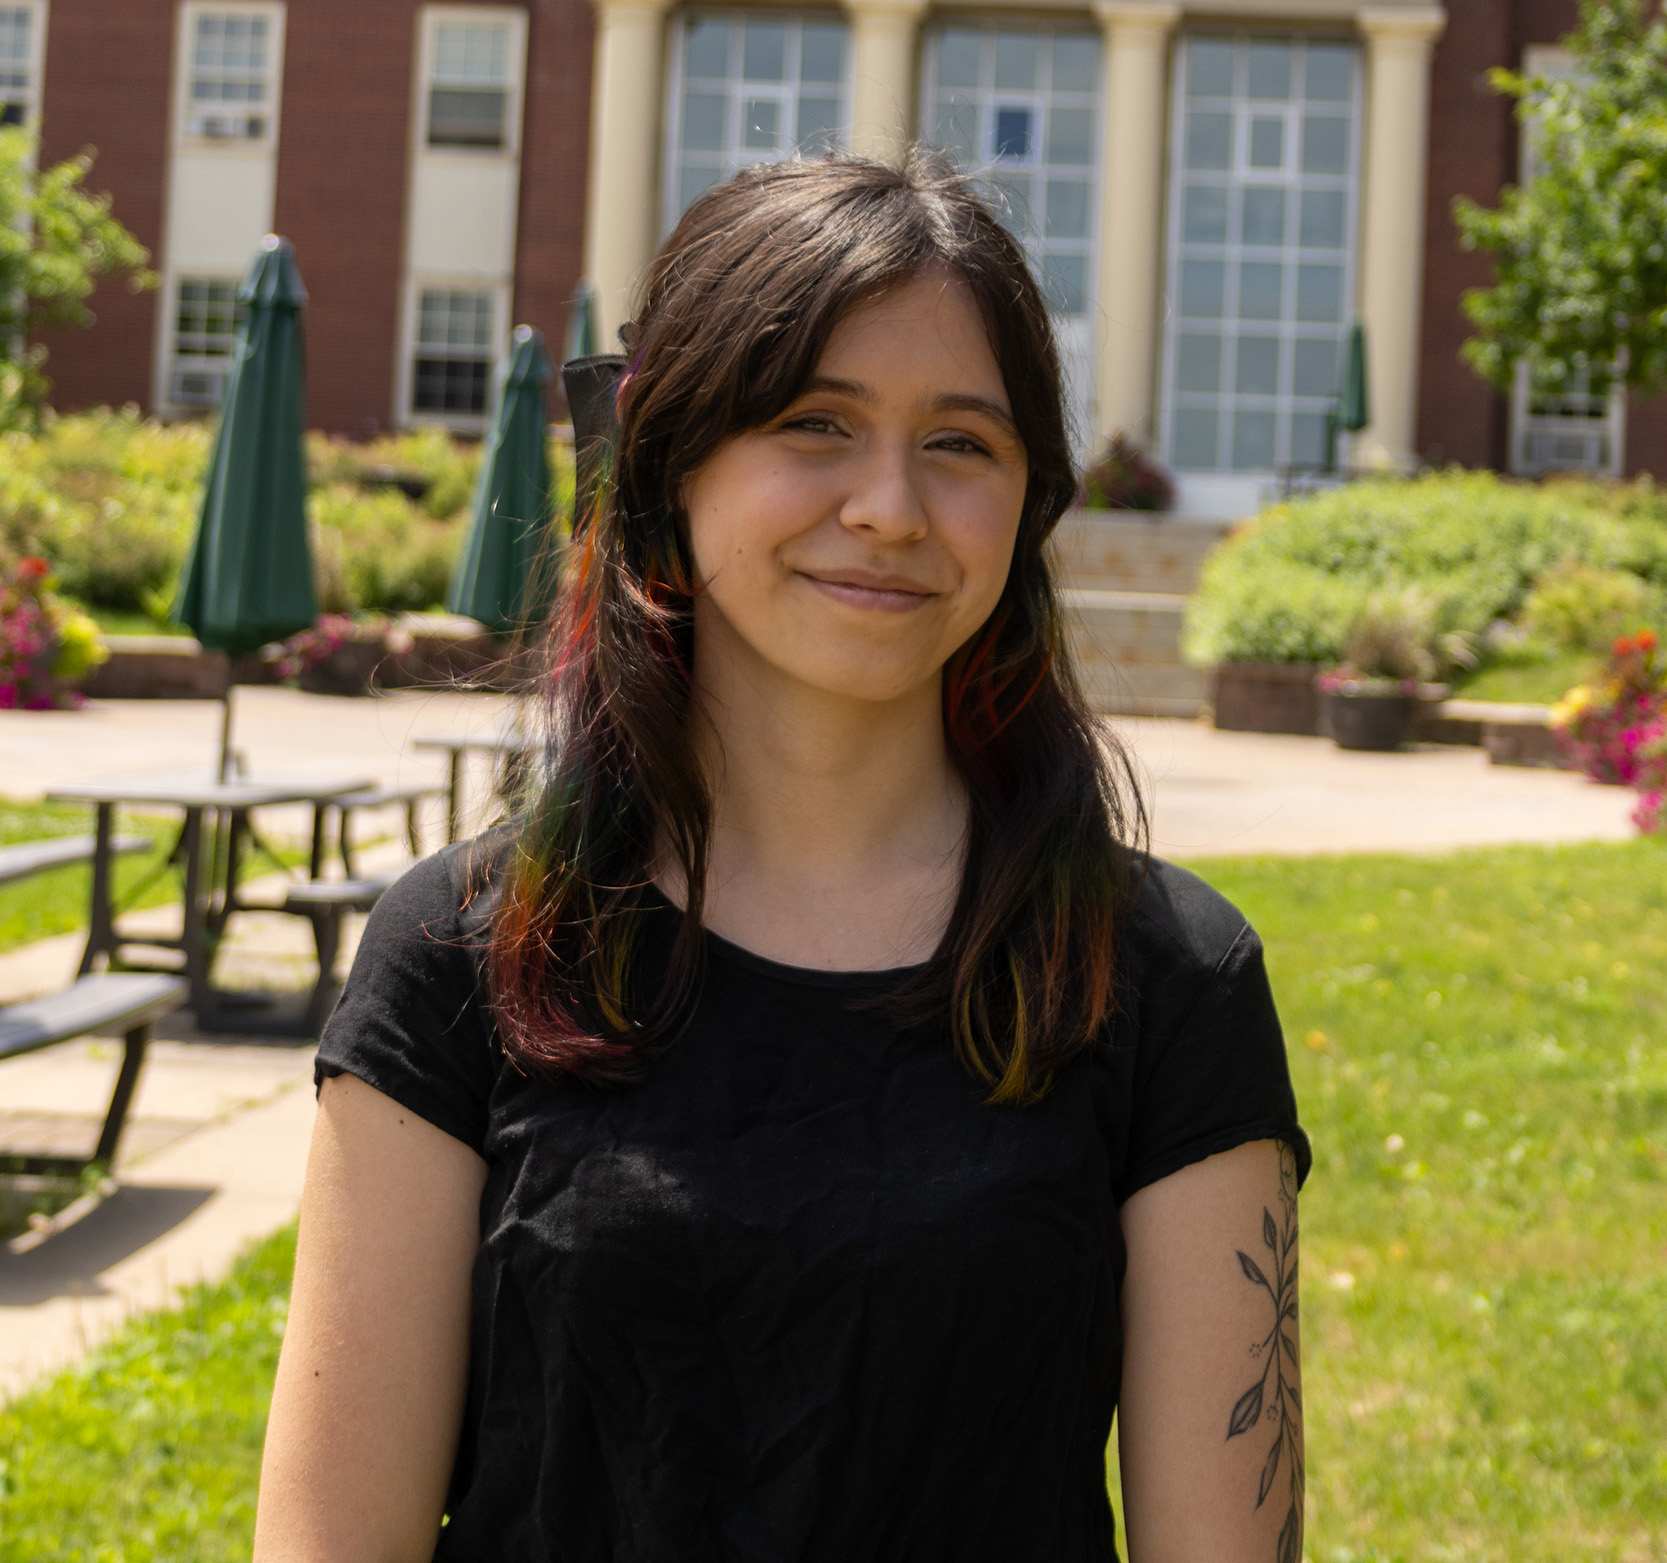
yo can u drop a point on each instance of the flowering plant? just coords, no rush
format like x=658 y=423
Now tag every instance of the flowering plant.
x=46 y=649
x=1609 y=726
x=311 y=647
x=1126 y=478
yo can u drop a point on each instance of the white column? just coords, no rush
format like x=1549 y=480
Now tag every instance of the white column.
x=883 y=39
x=1134 y=96
x=627 y=86
x=1398 y=46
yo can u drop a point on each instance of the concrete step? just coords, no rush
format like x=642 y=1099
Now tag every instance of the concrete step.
x=1106 y=550
x=1127 y=648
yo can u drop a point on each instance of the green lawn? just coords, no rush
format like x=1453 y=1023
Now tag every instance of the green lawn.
x=1480 y=1048
x=1535 y=682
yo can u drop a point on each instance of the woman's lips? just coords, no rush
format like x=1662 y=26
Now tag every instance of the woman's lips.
x=887 y=593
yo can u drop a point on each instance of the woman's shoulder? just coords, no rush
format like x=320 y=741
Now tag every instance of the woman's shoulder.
x=454 y=889
x=1180 y=926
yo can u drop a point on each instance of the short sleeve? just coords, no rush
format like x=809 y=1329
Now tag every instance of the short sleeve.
x=1210 y=1071
x=411 y=1021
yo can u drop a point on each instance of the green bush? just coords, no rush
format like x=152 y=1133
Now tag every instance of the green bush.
x=1291 y=585
x=1579 y=607
x=376 y=551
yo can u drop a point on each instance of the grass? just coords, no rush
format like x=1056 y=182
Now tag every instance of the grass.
x=1535 y=682
x=1479 y=1043
x=150 y=1449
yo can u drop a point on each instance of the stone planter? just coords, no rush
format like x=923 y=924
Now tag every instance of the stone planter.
x=347 y=670
x=1374 y=722
x=158 y=667
x=1265 y=697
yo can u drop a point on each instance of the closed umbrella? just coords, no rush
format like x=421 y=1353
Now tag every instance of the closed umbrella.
x=581 y=324
x=249 y=577
x=495 y=581
x=1353 y=411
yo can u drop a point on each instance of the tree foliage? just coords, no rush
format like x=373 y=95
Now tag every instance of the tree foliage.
x=57 y=240
x=1580 y=251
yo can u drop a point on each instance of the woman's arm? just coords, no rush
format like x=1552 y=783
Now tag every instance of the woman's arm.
x=371 y=1380
x=1210 y=1415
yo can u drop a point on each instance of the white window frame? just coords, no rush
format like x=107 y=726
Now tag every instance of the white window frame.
x=178 y=363
x=1572 y=432
x=35 y=62
x=1284 y=404
x=510 y=17
x=273 y=13
x=498 y=338
x=735 y=156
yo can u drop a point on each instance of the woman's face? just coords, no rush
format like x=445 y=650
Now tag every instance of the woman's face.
x=854 y=542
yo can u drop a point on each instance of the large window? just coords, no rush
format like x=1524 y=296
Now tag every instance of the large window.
x=206 y=313
x=229 y=93
x=17 y=63
x=1023 y=105
x=452 y=369
x=752 y=89
x=471 y=76
x=1260 y=249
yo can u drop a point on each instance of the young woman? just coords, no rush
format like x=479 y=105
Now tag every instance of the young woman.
x=797 y=1135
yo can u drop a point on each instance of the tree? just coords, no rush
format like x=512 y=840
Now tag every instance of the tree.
x=1580 y=251
x=56 y=241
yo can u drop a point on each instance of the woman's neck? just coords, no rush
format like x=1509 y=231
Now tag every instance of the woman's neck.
x=838 y=825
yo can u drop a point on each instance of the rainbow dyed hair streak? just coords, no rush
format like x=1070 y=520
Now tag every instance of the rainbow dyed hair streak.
x=736 y=311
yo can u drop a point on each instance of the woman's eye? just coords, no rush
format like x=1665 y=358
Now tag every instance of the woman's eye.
x=962 y=442
x=813 y=423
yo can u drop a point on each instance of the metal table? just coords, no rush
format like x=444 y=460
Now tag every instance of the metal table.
x=503 y=738
x=210 y=845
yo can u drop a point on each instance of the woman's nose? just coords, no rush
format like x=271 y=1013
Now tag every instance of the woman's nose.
x=885 y=500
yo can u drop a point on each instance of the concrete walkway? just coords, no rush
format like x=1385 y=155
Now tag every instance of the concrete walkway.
x=216 y=1147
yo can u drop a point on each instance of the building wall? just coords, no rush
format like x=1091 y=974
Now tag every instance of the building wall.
x=106 y=86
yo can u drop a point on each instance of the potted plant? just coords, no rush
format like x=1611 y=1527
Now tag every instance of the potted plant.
x=1370 y=699
x=338 y=655
x=46 y=649
x=1126 y=478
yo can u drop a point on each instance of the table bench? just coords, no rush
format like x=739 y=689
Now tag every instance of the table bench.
x=326 y=903
x=33 y=857
x=125 y=1002
x=410 y=796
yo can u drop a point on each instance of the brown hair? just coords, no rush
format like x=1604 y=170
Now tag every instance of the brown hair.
x=736 y=312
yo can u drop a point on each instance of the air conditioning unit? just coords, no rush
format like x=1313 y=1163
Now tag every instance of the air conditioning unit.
x=196 y=386
x=228 y=127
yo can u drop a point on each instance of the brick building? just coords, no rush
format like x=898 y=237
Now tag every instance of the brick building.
x=427 y=161
x=1213 y=190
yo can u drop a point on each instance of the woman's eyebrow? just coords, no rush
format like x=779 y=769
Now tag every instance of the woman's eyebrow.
x=966 y=402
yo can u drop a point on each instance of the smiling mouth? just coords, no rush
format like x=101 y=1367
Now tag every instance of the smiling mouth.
x=887 y=594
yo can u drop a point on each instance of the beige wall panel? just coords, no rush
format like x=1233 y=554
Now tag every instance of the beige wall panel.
x=463 y=216
x=220 y=208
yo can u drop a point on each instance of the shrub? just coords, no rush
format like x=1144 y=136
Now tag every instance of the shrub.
x=430 y=460
x=1292 y=584
x=1580 y=607
x=378 y=551
x=1608 y=726
x=1126 y=478
x=46 y=649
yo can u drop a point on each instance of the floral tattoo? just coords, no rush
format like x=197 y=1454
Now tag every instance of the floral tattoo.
x=1274 y=1400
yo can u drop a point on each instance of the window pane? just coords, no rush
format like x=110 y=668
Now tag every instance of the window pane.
x=1197 y=362
x=1308 y=438
x=1330 y=73
x=1016 y=59
x=1253 y=433
x=1263 y=220
x=1013 y=203
x=1325 y=144
x=761 y=128
x=1270 y=70
x=1256 y=366
x=1076 y=62
x=1065 y=279
x=818 y=129
x=472 y=52
x=1210 y=67
x=1204 y=215
x=764 y=55
x=1321 y=223
x=450 y=385
x=1209 y=140
x=958 y=53
x=1193 y=439
x=1071 y=136
x=466 y=117
x=1012 y=133
x=1319 y=293
x=692 y=181
x=706 y=48
x=1067 y=209
x=1203 y=289
x=1315 y=368
x=703 y=121
x=1267 y=143
x=822 y=53
x=956 y=131
x=1260 y=286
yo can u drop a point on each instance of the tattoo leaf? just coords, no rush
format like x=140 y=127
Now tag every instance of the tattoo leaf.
x=1246 y=1412
x=1252 y=1270
x=1288 y=1537
x=1269 y=1468
x=1269 y=1235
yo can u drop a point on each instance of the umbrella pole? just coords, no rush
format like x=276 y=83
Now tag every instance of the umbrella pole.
x=225 y=771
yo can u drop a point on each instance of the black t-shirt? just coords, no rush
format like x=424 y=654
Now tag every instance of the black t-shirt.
x=799 y=1293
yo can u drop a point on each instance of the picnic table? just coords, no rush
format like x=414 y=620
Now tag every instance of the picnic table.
x=214 y=832
x=505 y=738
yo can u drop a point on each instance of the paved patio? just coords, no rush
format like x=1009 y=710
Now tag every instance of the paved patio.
x=217 y=1144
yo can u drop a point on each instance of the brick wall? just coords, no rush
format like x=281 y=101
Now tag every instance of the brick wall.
x=106 y=87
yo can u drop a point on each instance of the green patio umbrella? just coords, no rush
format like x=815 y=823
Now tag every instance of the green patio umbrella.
x=249 y=577
x=495 y=582
x=1353 y=411
x=581 y=324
